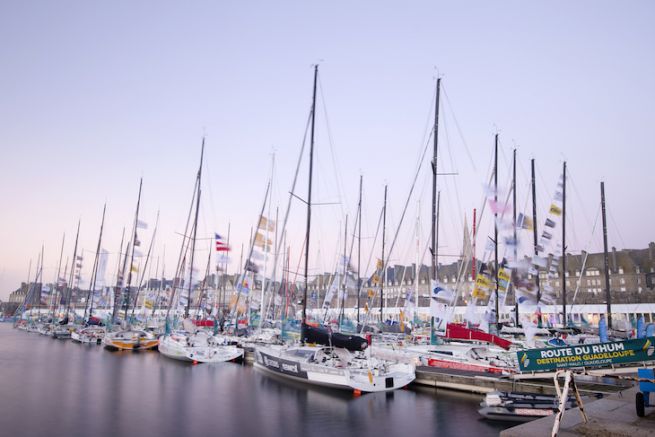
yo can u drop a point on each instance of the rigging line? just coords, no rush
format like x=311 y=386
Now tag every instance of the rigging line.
x=579 y=280
x=452 y=164
x=409 y=196
x=616 y=228
x=459 y=129
x=340 y=186
x=364 y=282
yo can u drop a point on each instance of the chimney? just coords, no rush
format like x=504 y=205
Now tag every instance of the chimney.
x=615 y=267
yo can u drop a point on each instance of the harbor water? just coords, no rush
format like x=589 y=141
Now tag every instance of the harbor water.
x=54 y=387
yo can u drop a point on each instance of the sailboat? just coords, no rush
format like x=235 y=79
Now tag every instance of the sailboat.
x=130 y=338
x=194 y=344
x=334 y=360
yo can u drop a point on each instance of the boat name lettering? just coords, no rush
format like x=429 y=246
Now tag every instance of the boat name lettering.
x=290 y=367
x=271 y=363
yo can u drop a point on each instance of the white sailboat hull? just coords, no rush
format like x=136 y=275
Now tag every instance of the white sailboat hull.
x=174 y=349
x=275 y=362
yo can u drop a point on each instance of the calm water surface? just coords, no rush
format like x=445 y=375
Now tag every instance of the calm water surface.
x=54 y=387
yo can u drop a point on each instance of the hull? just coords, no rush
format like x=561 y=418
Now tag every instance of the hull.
x=89 y=336
x=174 y=349
x=131 y=340
x=514 y=415
x=362 y=380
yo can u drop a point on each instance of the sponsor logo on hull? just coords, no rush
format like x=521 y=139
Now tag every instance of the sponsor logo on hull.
x=280 y=365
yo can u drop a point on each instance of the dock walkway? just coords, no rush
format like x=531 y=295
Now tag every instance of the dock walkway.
x=613 y=415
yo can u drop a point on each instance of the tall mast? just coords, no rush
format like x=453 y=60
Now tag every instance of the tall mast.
x=534 y=231
x=516 y=306
x=496 y=227
x=119 y=278
x=309 y=197
x=135 y=243
x=359 y=246
x=345 y=271
x=195 y=230
x=433 y=228
x=57 y=281
x=606 y=258
x=94 y=273
x=72 y=274
x=384 y=267
x=564 y=322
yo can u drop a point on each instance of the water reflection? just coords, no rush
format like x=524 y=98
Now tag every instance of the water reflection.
x=54 y=387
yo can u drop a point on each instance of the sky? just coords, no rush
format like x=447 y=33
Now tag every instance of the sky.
x=96 y=95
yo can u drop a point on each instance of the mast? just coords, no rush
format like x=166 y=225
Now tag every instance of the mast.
x=516 y=305
x=606 y=258
x=161 y=282
x=309 y=197
x=564 y=322
x=56 y=290
x=195 y=230
x=496 y=228
x=359 y=246
x=384 y=268
x=119 y=278
x=72 y=273
x=433 y=228
x=145 y=266
x=534 y=232
x=343 y=296
x=94 y=273
x=135 y=243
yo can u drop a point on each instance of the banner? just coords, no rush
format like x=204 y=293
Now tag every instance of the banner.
x=587 y=355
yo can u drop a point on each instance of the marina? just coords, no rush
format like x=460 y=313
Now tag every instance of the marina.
x=326 y=219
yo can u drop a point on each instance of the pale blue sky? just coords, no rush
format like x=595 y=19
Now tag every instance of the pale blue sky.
x=98 y=94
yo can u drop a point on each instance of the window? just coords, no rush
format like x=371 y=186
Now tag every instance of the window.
x=622 y=288
x=622 y=281
x=620 y=270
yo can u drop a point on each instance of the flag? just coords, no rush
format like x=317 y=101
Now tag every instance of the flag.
x=550 y=223
x=558 y=196
x=539 y=261
x=262 y=241
x=223 y=259
x=524 y=222
x=140 y=224
x=378 y=264
x=265 y=223
x=221 y=246
x=441 y=293
x=555 y=210
x=546 y=235
x=251 y=267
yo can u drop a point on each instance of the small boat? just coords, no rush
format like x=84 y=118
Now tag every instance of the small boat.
x=90 y=334
x=520 y=407
x=130 y=339
x=200 y=347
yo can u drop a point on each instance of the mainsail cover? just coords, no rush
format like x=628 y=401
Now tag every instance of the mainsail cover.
x=325 y=337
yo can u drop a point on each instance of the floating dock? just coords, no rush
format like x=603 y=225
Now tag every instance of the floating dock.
x=481 y=383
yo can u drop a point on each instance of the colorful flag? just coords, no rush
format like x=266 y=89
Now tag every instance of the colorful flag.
x=265 y=223
x=221 y=246
x=555 y=210
x=140 y=224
